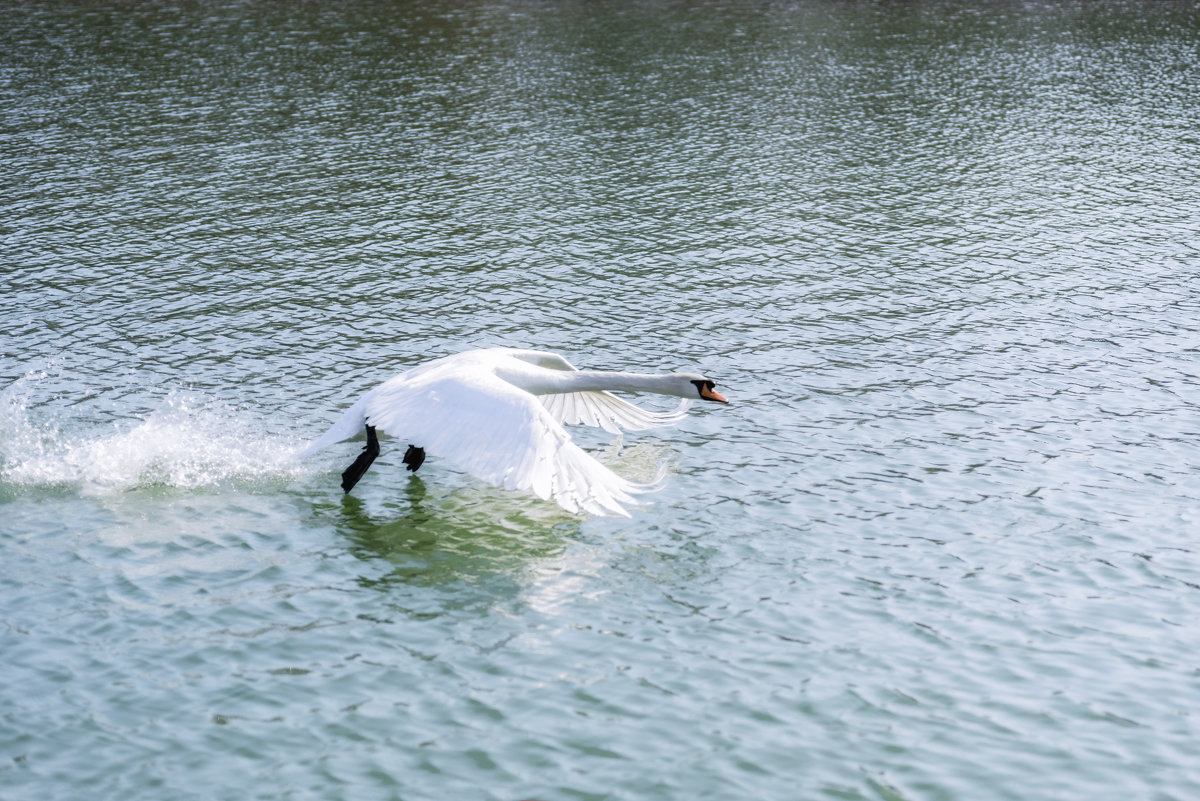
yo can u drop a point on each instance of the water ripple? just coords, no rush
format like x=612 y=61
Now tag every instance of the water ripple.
x=938 y=254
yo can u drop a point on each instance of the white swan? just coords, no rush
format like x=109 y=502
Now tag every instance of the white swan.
x=498 y=413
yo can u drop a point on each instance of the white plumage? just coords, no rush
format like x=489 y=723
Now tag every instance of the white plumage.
x=499 y=414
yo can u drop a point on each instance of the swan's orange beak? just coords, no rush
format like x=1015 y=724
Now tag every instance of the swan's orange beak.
x=708 y=393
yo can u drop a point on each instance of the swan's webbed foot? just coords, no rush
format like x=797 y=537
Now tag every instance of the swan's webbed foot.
x=356 y=471
x=414 y=457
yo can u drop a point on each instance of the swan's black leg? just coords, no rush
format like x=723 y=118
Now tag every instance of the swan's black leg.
x=355 y=471
x=414 y=457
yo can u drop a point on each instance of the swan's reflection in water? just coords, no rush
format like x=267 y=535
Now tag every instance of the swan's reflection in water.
x=458 y=546
x=474 y=543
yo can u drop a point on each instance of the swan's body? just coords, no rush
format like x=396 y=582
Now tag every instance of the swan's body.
x=499 y=414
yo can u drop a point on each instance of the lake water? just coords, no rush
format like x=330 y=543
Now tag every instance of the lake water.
x=943 y=258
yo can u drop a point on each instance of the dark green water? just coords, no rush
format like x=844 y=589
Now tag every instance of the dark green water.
x=943 y=257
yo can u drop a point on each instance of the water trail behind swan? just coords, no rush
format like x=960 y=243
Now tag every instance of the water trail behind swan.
x=188 y=441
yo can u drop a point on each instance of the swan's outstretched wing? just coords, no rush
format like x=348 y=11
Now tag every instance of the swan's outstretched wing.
x=542 y=358
x=609 y=412
x=602 y=409
x=501 y=435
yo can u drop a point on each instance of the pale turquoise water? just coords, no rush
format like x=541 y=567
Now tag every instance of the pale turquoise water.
x=942 y=256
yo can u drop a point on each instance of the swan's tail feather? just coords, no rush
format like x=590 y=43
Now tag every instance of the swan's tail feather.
x=350 y=424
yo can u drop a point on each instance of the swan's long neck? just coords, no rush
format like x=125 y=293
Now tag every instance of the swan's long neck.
x=550 y=382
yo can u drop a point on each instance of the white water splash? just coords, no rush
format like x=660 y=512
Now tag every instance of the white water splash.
x=189 y=441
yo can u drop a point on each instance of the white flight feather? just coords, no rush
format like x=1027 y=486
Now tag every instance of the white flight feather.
x=598 y=408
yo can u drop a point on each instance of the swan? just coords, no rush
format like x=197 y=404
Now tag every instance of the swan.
x=498 y=413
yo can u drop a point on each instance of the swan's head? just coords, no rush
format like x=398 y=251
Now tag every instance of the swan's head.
x=699 y=385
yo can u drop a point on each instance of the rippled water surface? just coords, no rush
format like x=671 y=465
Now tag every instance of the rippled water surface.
x=943 y=257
